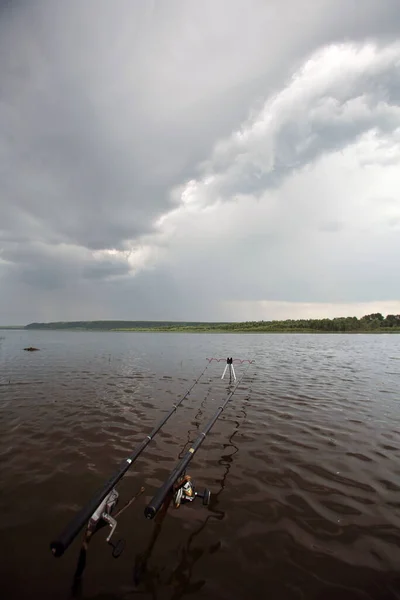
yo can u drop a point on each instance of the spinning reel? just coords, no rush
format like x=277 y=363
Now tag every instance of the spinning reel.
x=184 y=491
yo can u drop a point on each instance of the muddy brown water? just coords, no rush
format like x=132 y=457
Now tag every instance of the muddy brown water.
x=304 y=465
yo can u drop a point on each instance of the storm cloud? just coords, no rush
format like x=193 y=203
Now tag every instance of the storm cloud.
x=192 y=160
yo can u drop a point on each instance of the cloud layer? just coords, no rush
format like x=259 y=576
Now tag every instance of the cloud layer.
x=195 y=161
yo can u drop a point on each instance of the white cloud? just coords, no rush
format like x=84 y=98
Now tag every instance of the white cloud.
x=288 y=207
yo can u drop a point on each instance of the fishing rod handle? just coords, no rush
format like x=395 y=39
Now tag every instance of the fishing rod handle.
x=67 y=536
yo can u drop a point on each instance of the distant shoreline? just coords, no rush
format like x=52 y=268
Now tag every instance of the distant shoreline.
x=374 y=323
x=213 y=331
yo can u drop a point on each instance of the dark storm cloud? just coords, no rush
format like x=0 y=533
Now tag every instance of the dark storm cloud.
x=106 y=106
x=89 y=149
x=105 y=269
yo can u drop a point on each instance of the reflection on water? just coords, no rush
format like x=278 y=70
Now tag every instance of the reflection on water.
x=303 y=465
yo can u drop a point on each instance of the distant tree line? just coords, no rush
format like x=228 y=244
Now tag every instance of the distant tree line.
x=374 y=322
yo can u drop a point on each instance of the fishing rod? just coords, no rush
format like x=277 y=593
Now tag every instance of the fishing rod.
x=141 y=574
x=178 y=485
x=98 y=511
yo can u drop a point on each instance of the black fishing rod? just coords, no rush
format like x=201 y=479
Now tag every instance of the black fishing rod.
x=98 y=511
x=178 y=485
x=140 y=569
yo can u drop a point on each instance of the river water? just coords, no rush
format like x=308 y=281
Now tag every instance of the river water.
x=303 y=466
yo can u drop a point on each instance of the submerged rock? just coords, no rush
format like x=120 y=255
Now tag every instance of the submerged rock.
x=31 y=349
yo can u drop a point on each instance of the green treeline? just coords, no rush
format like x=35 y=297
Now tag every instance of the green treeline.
x=373 y=323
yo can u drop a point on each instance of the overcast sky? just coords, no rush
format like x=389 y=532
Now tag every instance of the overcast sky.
x=190 y=160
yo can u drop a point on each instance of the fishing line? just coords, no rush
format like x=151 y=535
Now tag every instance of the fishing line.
x=196 y=422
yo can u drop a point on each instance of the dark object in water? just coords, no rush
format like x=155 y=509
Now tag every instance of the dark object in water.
x=31 y=349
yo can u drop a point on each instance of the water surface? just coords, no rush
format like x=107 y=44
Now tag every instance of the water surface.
x=304 y=464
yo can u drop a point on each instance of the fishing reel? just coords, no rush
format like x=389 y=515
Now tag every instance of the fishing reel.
x=102 y=517
x=184 y=491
